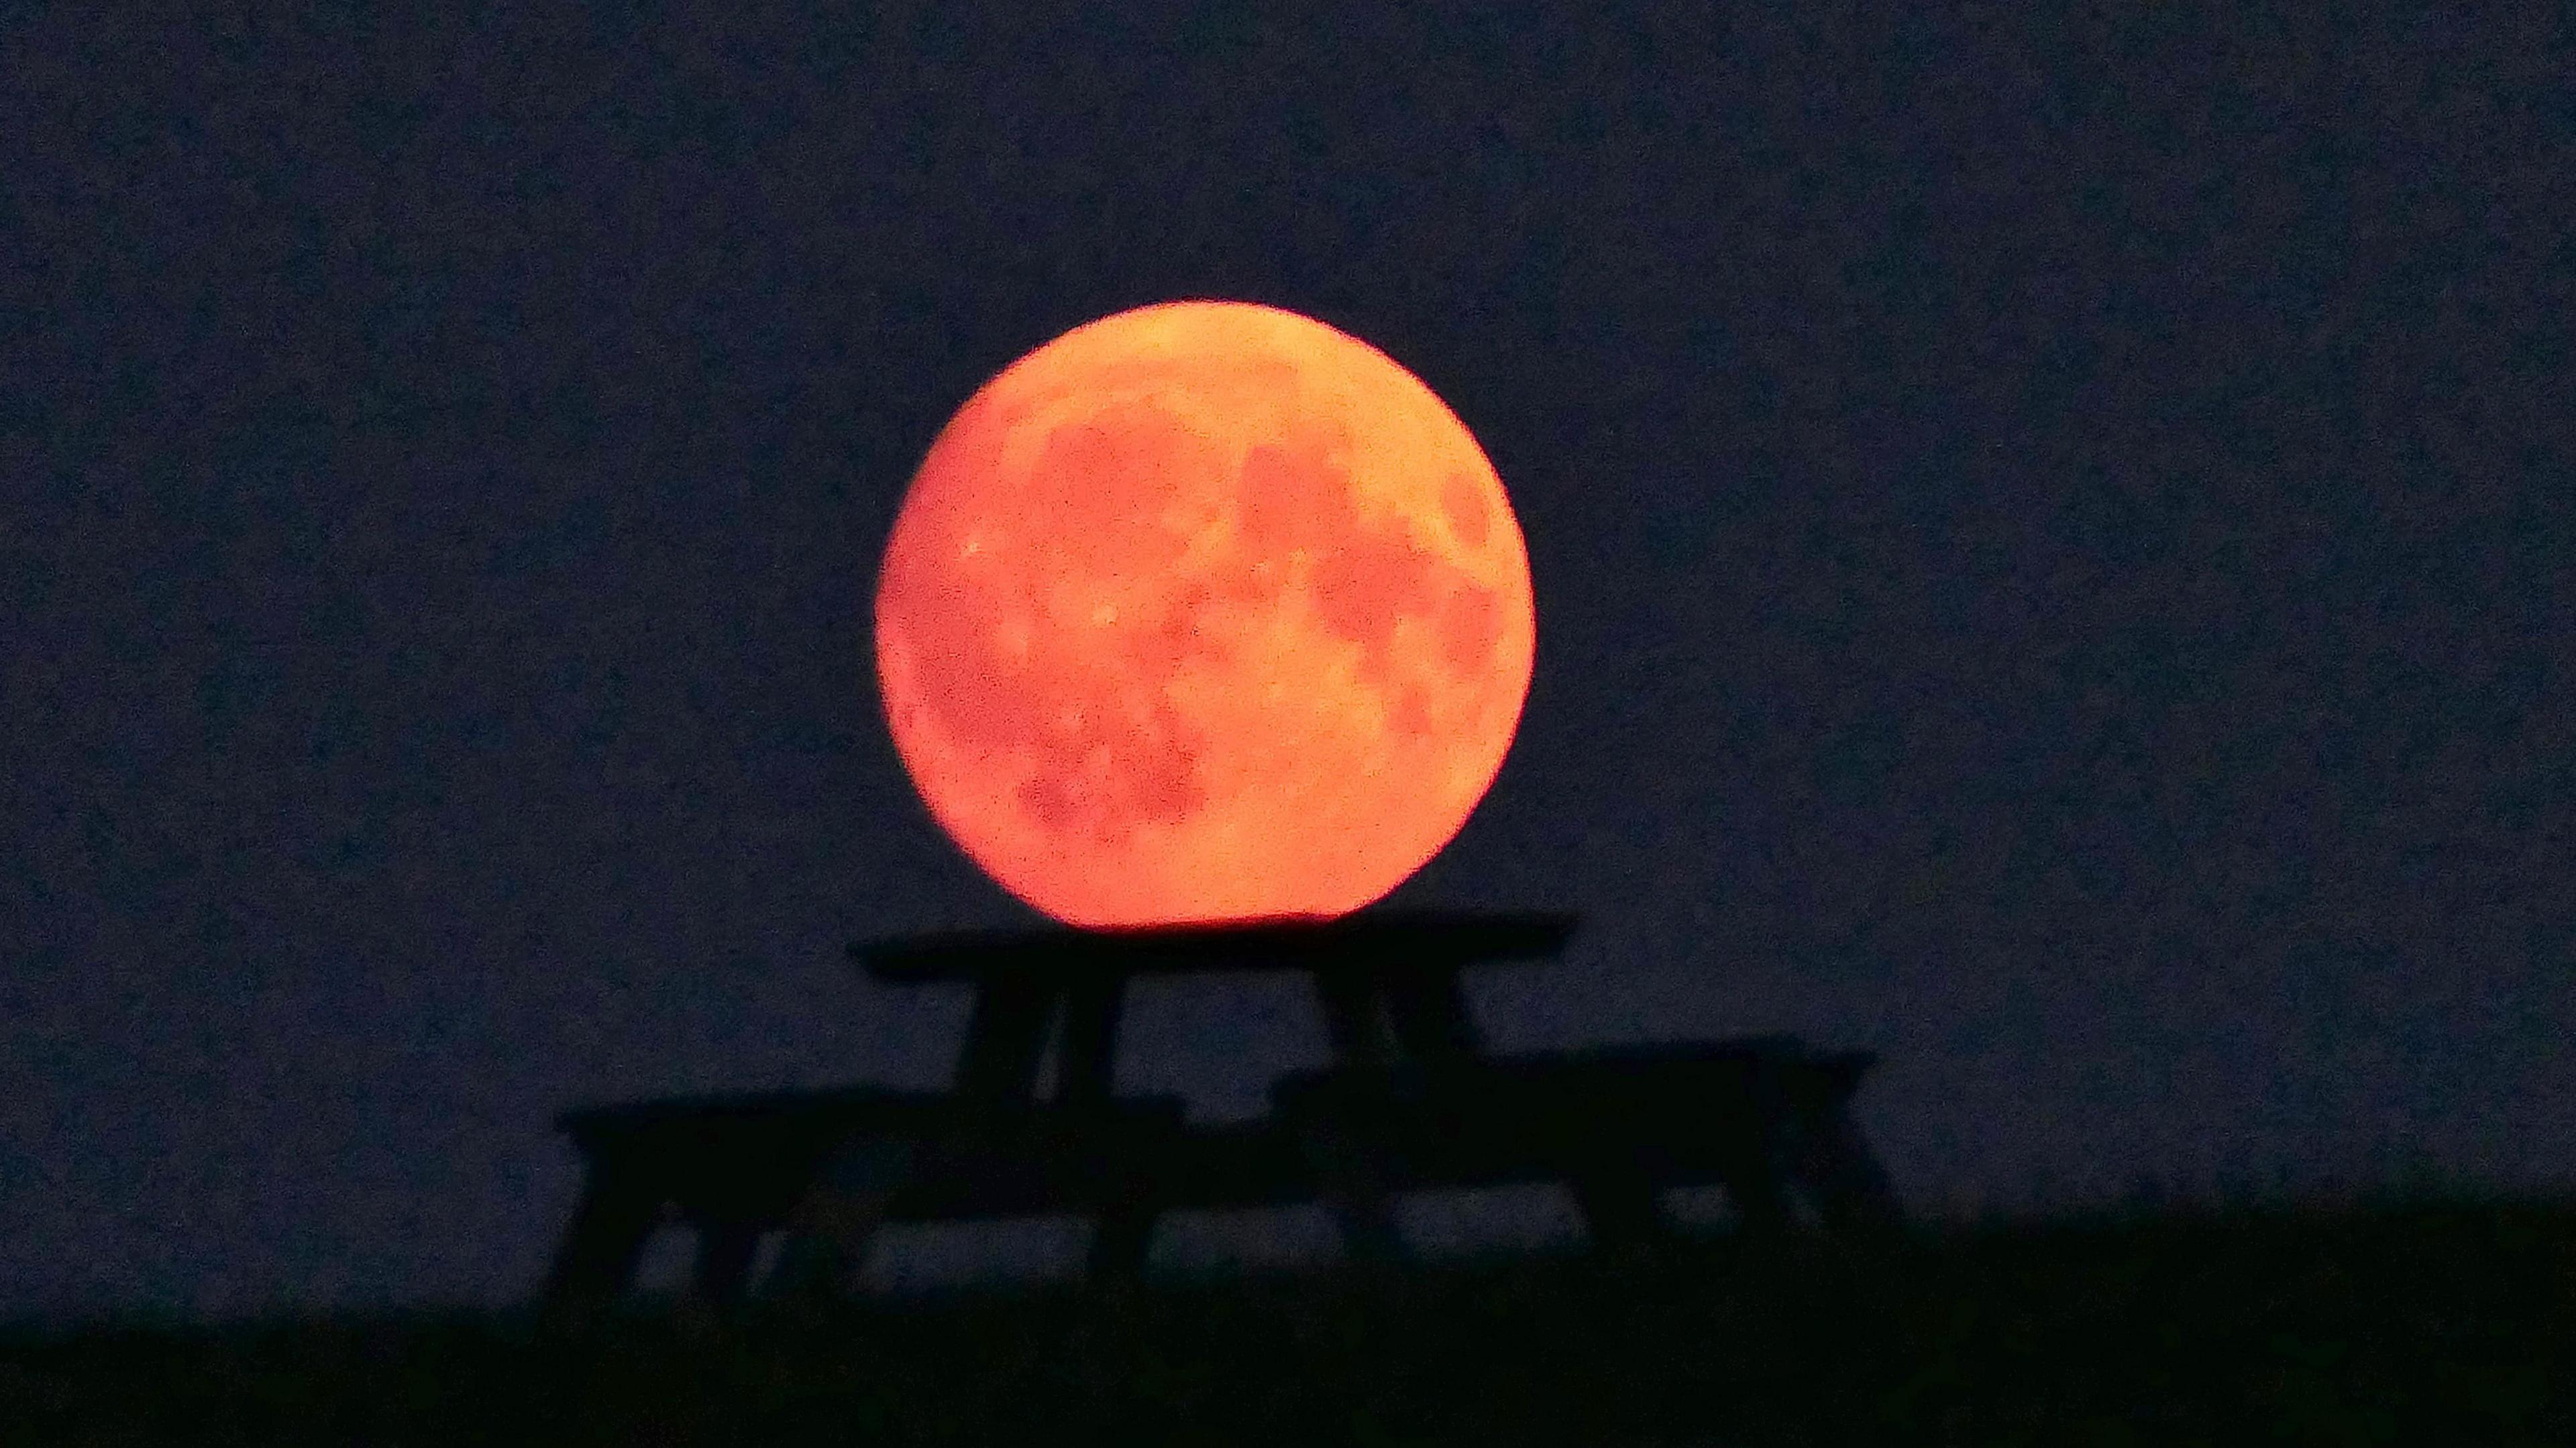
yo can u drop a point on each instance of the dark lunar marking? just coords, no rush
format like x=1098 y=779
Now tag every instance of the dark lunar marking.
x=1050 y=801
x=1151 y=774
x=1291 y=496
x=1092 y=511
x=1104 y=482
x=1362 y=584
x=1295 y=495
x=1412 y=714
x=1165 y=778
x=1471 y=623
x=1464 y=502
x=981 y=698
x=1180 y=637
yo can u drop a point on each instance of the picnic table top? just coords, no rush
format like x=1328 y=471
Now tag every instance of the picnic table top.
x=1415 y=940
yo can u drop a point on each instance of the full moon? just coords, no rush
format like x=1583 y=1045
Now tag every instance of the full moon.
x=1203 y=611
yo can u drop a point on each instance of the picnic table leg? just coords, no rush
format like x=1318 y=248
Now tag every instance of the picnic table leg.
x=725 y=1251
x=1120 y=1241
x=1089 y=1068
x=1367 y=1221
x=1853 y=1190
x=1840 y=1172
x=1005 y=1039
x=606 y=1239
x=1355 y=1016
x=827 y=1245
x=1428 y=1011
x=1360 y=1022
x=1753 y=1186
x=1620 y=1207
x=1349 y=1169
x=1755 y=1154
x=835 y=1221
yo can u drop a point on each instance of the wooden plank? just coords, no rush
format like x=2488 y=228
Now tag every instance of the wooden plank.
x=1374 y=940
x=1617 y=1125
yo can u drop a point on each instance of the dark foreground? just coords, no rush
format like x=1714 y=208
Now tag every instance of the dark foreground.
x=2397 y=1324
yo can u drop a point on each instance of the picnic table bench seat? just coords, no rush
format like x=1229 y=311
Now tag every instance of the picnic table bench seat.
x=734 y=1167
x=1763 y=1117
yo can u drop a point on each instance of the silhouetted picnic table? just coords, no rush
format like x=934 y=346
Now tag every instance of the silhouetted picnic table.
x=1411 y=1099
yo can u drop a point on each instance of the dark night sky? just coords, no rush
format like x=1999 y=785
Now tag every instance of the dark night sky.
x=2053 y=554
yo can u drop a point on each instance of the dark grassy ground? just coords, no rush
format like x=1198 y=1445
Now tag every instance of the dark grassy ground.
x=2424 y=1323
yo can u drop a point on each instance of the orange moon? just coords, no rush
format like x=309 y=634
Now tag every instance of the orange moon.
x=1203 y=611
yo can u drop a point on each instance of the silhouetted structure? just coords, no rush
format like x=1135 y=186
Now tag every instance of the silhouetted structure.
x=1411 y=1100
